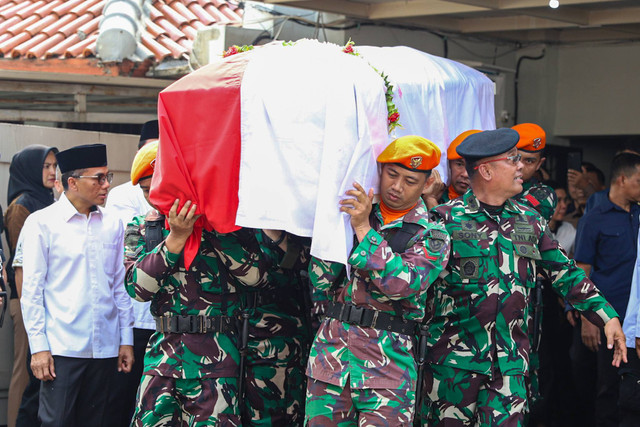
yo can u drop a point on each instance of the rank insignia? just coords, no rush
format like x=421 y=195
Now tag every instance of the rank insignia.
x=537 y=142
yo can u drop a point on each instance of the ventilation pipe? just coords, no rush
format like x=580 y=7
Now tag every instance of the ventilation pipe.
x=119 y=30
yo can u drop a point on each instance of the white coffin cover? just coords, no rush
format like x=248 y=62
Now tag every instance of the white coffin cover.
x=314 y=120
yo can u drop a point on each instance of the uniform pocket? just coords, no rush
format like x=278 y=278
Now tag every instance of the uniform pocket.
x=469 y=260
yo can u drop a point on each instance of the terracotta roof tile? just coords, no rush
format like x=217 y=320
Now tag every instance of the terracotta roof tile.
x=202 y=14
x=69 y=28
x=5 y=47
x=96 y=9
x=55 y=27
x=47 y=8
x=66 y=7
x=12 y=11
x=184 y=11
x=28 y=11
x=8 y=24
x=39 y=50
x=41 y=24
x=172 y=31
x=22 y=49
x=21 y=25
x=81 y=48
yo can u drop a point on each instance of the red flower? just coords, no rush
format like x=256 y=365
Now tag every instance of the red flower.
x=348 y=49
x=232 y=51
x=393 y=117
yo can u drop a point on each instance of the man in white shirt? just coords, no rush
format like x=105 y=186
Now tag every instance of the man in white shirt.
x=77 y=314
x=630 y=372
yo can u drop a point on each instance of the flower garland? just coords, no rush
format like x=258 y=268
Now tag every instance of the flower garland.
x=237 y=49
x=393 y=116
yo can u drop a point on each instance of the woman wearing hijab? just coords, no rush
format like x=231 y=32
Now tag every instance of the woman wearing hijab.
x=32 y=177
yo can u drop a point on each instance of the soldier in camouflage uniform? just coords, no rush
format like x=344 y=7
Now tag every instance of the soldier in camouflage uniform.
x=278 y=334
x=479 y=347
x=531 y=147
x=543 y=199
x=458 y=178
x=191 y=366
x=362 y=368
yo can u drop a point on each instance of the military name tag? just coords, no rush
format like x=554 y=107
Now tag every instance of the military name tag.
x=524 y=237
x=468 y=235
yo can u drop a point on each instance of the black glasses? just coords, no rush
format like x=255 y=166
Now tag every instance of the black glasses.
x=102 y=178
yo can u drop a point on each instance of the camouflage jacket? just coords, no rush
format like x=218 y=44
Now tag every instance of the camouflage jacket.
x=224 y=263
x=540 y=197
x=483 y=299
x=281 y=305
x=367 y=357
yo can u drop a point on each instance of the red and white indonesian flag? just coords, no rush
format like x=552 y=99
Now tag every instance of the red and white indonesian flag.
x=273 y=137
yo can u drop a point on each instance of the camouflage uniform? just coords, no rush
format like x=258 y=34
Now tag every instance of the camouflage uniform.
x=278 y=340
x=361 y=372
x=481 y=305
x=540 y=197
x=543 y=199
x=191 y=378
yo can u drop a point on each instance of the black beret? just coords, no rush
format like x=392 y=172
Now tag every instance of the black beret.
x=149 y=131
x=82 y=157
x=488 y=143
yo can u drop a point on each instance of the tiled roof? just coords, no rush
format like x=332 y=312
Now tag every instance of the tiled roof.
x=69 y=28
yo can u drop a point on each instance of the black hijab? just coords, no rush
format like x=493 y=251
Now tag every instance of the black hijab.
x=25 y=177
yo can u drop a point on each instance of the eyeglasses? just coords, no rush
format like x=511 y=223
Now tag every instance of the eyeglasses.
x=102 y=178
x=513 y=159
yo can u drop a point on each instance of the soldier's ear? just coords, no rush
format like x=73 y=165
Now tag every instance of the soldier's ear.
x=485 y=172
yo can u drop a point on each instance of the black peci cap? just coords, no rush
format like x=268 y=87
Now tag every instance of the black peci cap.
x=82 y=157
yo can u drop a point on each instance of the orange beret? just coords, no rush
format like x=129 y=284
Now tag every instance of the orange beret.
x=144 y=161
x=532 y=137
x=412 y=152
x=452 y=154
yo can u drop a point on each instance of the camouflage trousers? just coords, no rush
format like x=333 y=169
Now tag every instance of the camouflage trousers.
x=457 y=397
x=164 y=401
x=275 y=382
x=331 y=405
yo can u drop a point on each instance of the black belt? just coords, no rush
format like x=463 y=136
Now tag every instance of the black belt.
x=369 y=318
x=192 y=324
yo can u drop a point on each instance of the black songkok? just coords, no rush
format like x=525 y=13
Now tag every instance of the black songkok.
x=149 y=131
x=82 y=157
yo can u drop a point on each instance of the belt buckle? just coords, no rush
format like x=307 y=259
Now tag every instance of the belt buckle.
x=187 y=324
x=354 y=317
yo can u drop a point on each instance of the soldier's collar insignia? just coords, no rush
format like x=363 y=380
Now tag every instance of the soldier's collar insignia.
x=416 y=161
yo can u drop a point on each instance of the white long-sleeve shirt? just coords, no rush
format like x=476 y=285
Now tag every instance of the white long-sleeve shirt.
x=127 y=201
x=73 y=300
x=631 y=325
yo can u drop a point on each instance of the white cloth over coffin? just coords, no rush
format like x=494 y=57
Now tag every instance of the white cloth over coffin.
x=436 y=97
x=313 y=122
